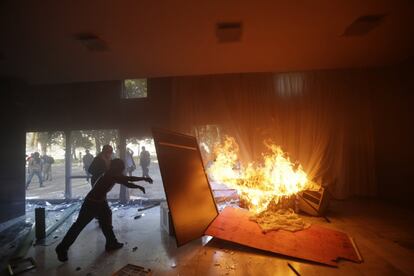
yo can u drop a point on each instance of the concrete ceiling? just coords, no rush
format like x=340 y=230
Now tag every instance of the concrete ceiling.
x=176 y=37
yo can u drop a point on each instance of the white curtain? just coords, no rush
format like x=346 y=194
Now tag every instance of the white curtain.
x=323 y=119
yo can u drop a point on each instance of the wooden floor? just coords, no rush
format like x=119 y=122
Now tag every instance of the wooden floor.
x=383 y=233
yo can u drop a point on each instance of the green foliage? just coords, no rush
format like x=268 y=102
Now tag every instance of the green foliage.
x=103 y=137
x=137 y=141
x=47 y=139
x=80 y=139
x=135 y=88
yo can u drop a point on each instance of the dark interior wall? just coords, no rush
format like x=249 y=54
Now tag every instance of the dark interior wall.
x=393 y=108
x=96 y=105
x=12 y=157
x=71 y=106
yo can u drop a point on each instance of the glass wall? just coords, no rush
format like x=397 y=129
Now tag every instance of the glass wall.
x=46 y=172
x=85 y=145
x=141 y=159
x=45 y=165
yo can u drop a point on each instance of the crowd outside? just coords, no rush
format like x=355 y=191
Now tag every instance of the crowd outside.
x=94 y=167
x=39 y=166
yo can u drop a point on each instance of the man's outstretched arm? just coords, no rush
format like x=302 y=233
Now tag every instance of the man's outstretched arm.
x=123 y=179
x=137 y=178
x=134 y=186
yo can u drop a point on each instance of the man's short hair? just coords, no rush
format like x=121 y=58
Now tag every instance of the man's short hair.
x=107 y=148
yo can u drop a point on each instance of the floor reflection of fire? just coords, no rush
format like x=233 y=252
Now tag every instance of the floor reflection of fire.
x=269 y=189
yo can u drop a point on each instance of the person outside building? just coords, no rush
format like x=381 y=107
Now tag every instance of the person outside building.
x=144 y=161
x=35 y=168
x=100 y=163
x=47 y=167
x=87 y=161
x=129 y=161
x=28 y=158
x=96 y=205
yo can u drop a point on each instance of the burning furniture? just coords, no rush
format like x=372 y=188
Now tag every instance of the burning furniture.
x=262 y=188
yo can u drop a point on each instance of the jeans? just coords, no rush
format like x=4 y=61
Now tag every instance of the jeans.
x=89 y=210
x=38 y=174
x=145 y=171
x=47 y=172
x=88 y=175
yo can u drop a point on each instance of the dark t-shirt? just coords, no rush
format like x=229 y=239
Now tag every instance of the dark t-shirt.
x=144 y=158
x=97 y=168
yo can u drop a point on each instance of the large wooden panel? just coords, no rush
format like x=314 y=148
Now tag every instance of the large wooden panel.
x=316 y=243
x=186 y=186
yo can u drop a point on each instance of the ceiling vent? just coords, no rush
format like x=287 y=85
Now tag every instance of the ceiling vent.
x=229 y=32
x=364 y=24
x=92 y=42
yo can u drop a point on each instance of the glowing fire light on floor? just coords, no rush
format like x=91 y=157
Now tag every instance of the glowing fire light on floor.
x=259 y=185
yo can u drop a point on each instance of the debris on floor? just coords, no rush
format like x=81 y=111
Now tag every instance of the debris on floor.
x=133 y=270
x=148 y=207
x=135 y=248
x=20 y=265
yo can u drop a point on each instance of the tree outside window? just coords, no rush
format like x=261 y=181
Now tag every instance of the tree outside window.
x=135 y=88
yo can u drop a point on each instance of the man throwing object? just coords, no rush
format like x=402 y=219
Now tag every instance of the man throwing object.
x=96 y=205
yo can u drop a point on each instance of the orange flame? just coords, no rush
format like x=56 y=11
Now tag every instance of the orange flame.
x=259 y=184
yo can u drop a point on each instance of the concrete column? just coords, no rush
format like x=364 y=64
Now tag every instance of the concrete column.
x=68 y=164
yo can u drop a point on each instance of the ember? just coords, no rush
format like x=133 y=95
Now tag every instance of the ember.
x=259 y=185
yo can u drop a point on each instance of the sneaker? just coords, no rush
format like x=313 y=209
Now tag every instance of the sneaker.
x=62 y=254
x=113 y=246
